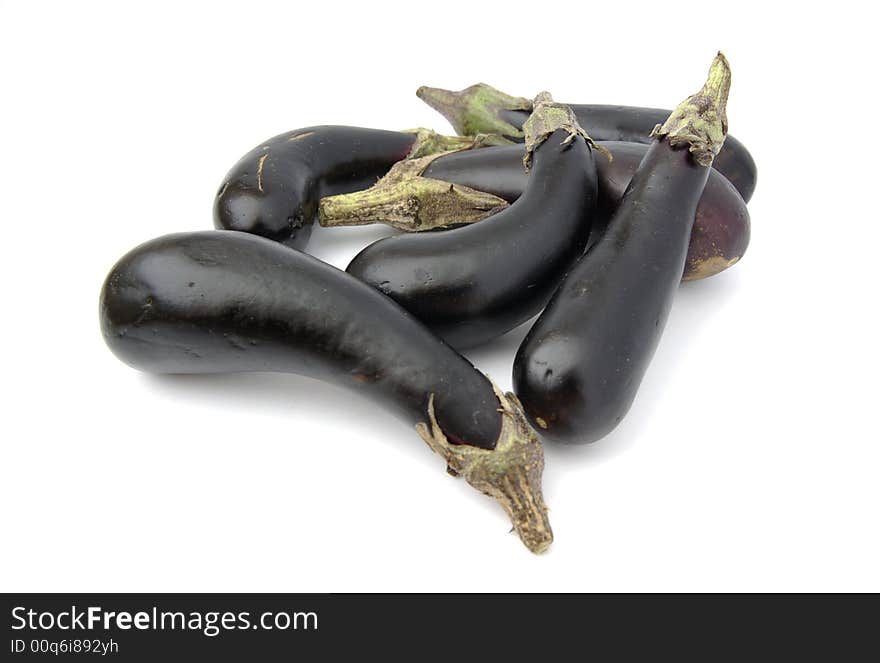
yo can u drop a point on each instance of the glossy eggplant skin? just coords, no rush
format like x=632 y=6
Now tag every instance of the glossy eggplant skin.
x=474 y=283
x=634 y=124
x=273 y=190
x=578 y=370
x=495 y=170
x=216 y=302
x=722 y=226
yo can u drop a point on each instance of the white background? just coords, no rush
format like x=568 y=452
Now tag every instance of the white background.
x=749 y=461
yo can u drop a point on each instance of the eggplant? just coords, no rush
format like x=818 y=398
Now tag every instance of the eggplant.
x=578 y=369
x=472 y=284
x=273 y=190
x=217 y=302
x=483 y=109
x=721 y=229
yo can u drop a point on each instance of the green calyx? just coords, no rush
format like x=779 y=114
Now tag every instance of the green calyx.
x=405 y=200
x=511 y=472
x=547 y=117
x=430 y=142
x=477 y=110
x=700 y=121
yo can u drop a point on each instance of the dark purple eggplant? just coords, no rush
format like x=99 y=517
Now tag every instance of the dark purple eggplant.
x=214 y=302
x=472 y=284
x=273 y=190
x=721 y=230
x=578 y=369
x=483 y=109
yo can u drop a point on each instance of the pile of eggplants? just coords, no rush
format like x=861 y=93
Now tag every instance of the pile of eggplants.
x=588 y=215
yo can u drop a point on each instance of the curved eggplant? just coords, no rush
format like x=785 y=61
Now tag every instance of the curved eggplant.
x=721 y=230
x=474 y=283
x=209 y=302
x=274 y=189
x=578 y=370
x=483 y=109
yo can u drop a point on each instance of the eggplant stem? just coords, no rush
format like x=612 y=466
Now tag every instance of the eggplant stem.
x=477 y=109
x=511 y=472
x=547 y=117
x=700 y=121
x=429 y=142
x=405 y=200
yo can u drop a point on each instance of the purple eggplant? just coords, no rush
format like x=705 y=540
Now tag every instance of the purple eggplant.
x=472 y=284
x=217 y=302
x=273 y=190
x=578 y=370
